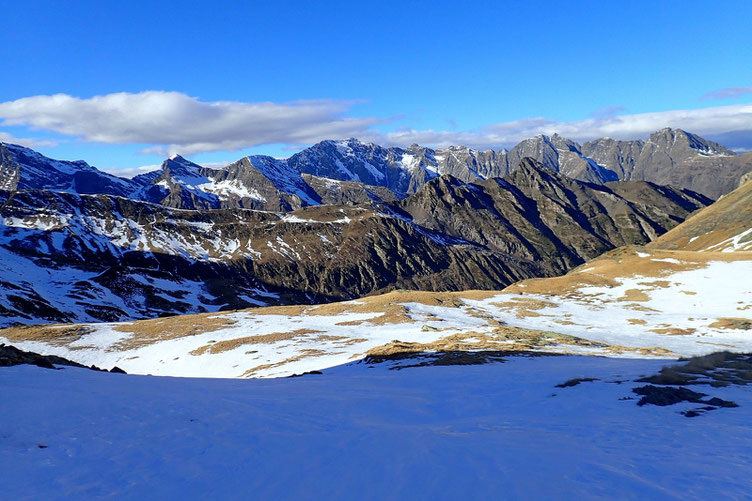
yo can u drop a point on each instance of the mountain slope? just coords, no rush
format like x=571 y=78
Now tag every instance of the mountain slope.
x=252 y=182
x=560 y=155
x=87 y=258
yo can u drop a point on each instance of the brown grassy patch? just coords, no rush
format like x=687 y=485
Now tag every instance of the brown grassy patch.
x=608 y=269
x=391 y=307
x=565 y=322
x=292 y=311
x=656 y=283
x=340 y=340
x=640 y=307
x=231 y=344
x=55 y=334
x=675 y=331
x=718 y=222
x=634 y=295
x=636 y=321
x=525 y=307
x=146 y=332
x=503 y=338
x=732 y=323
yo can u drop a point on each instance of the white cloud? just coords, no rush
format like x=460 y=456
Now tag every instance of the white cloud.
x=130 y=172
x=29 y=142
x=216 y=165
x=171 y=122
x=733 y=122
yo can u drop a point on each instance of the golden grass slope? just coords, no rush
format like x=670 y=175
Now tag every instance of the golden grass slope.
x=714 y=227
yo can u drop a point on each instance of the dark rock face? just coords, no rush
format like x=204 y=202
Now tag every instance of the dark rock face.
x=259 y=182
x=105 y=258
x=405 y=170
x=669 y=157
x=10 y=356
x=67 y=257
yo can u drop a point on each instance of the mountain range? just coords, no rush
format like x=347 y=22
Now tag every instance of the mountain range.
x=73 y=257
x=351 y=172
x=336 y=221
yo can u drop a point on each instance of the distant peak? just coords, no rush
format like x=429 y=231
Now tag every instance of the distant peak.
x=175 y=156
x=670 y=131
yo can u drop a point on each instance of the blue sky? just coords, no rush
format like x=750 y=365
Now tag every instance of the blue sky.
x=122 y=84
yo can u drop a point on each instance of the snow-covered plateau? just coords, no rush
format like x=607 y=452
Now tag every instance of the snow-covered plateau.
x=499 y=430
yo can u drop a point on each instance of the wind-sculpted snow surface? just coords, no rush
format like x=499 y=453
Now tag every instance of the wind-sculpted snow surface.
x=501 y=430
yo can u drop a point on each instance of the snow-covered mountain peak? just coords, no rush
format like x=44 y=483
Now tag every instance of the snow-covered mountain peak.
x=23 y=168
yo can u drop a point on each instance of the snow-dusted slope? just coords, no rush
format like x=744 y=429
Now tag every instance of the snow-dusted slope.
x=490 y=431
x=669 y=157
x=629 y=303
x=273 y=342
x=145 y=259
